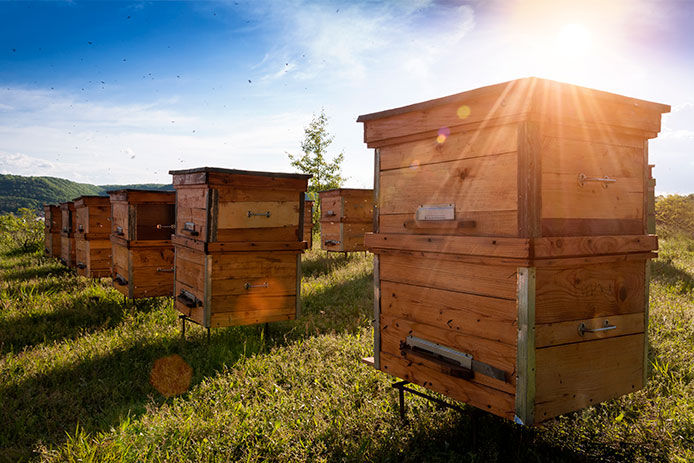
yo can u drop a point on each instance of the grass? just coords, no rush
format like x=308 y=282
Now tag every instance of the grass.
x=75 y=365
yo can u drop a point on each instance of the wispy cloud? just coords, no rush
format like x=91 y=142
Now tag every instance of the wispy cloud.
x=104 y=142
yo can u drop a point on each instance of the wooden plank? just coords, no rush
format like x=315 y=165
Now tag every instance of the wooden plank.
x=499 y=355
x=288 y=233
x=486 y=280
x=153 y=257
x=574 y=376
x=590 y=291
x=587 y=227
x=604 y=135
x=529 y=181
x=377 y=312
x=465 y=245
x=267 y=285
x=430 y=376
x=250 y=317
x=592 y=245
x=484 y=317
x=462 y=145
x=551 y=334
x=479 y=184
x=357 y=205
x=492 y=223
x=567 y=262
x=564 y=197
x=253 y=302
x=466 y=260
x=236 y=214
x=482 y=105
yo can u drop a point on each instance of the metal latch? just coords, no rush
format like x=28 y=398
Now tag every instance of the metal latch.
x=119 y=231
x=249 y=286
x=583 y=178
x=120 y=280
x=258 y=214
x=189 y=227
x=330 y=213
x=331 y=242
x=189 y=299
x=80 y=228
x=81 y=265
x=455 y=363
x=605 y=327
x=436 y=212
x=160 y=226
x=165 y=270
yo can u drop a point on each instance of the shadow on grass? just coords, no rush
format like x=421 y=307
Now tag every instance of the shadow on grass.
x=321 y=263
x=663 y=271
x=29 y=273
x=80 y=316
x=98 y=393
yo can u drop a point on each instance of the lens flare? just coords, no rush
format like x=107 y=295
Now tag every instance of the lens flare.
x=444 y=133
x=463 y=111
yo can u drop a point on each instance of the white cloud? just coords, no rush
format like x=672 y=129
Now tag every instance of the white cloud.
x=102 y=142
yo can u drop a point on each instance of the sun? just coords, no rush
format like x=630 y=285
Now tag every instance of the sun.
x=573 y=40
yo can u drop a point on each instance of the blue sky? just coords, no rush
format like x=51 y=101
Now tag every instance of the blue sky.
x=122 y=92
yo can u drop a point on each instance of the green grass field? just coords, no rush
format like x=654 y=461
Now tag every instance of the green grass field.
x=75 y=365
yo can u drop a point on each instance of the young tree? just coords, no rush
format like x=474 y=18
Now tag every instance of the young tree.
x=326 y=174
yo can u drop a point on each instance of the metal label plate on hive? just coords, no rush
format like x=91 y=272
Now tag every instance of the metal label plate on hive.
x=435 y=212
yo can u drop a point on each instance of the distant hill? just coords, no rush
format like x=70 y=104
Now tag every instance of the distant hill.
x=33 y=192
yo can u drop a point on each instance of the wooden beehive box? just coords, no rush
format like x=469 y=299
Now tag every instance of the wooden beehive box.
x=67 y=233
x=238 y=243
x=142 y=223
x=53 y=224
x=512 y=247
x=308 y=223
x=346 y=215
x=92 y=244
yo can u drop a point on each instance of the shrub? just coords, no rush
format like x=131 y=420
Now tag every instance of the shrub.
x=22 y=231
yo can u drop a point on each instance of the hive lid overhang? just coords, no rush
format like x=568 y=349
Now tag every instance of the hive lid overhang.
x=239 y=172
x=513 y=101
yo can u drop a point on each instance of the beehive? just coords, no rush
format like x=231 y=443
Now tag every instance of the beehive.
x=512 y=247
x=346 y=215
x=238 y=242
x=92 y=244
x=142 y=223
x=53 y=220
x=67 y=233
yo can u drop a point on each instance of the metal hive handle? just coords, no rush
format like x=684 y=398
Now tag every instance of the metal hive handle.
x=249 y=286
x=165 y=270
x=259 y=214
x=606 y=327
x=583 y=178
x=160 y=226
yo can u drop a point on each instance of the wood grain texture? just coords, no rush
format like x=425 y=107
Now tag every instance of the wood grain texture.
x=484 y=317
x=562 y=195
x=588 y=292
x=574 y=376
x=236 y=214
x=529 y=179
x=488 y=223
x=462 y=245
x=551 y=334
x=462 y=145
x=485 y=280
x=587 y=227
x=478 y=184
x=592 y=245
x=430 y=376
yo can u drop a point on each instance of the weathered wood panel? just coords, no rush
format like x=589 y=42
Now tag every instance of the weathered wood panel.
x=589 y=291
x=479 y=184
x=485 y=280
x=430 y=376
x=258 y=214
x=484 y=317
x=577 y=375
x=552 y=334
x=463 y=145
